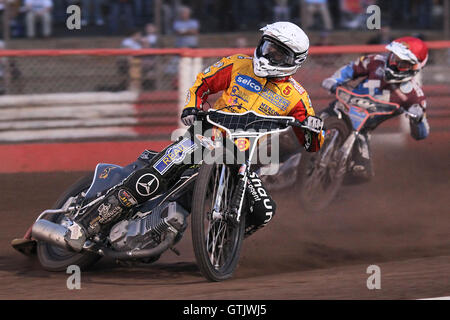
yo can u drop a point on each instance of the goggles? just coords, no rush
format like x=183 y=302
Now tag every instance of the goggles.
x=399 y=64
x=277 y=54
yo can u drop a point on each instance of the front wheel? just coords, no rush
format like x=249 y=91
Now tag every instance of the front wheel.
x=319 y=173
x=217 y=241
x=53 y=258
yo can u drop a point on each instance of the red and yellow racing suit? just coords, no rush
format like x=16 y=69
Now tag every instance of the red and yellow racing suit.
x=235 y=77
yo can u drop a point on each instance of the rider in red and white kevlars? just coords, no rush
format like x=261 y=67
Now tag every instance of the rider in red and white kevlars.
x=388 y=77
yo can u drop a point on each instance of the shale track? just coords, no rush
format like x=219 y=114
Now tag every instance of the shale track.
x=399 y=221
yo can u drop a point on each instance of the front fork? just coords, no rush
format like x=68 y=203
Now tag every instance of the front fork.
x=216 y=214
x=237 y=199
x=326 y=153
x=344 y=152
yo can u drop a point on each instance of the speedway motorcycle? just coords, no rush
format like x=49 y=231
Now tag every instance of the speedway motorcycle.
x=320 y=175
x=213 y=192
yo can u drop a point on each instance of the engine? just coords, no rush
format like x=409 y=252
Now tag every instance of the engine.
x=146 y=232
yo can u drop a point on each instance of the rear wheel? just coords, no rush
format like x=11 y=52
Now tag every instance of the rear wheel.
x=318 y=171
x=53 y=258
x=217 y=241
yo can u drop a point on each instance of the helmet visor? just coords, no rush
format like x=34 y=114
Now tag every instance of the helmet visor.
x=399 y=64
x=276 y=54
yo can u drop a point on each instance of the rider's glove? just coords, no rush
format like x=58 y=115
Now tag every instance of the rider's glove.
x=188 y=116
x=315 y=123
x=417 y=111
x=334 y=88
x=330 y=84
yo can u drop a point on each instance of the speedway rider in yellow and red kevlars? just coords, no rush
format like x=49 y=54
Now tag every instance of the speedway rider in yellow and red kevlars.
x=261 y=83
x=255 y=84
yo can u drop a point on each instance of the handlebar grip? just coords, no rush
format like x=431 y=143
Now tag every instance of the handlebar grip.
x=408 y=114
x=298 y=124
x=199 y=113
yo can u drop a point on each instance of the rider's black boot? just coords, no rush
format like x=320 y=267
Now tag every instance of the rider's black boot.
x=262 y=207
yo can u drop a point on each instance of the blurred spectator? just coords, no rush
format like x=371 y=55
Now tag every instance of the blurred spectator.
x=400 y=11
x=3 y=68
x=146 y=64
x=9 y=72
x=12 y=3
x=281 y=11
x=39 y=10
x=59 y=11
x=311 y=7
x=125 y=63
x=425 y=8
x=353 y=13
x=241 y=42
x=133 y=41
x=89 y=6
x=169 y=13
x=142 y=11
x=16 y=17
x=239 y=14
x=151 y=65
x=119 y=9
x=236 y=15
x=266 y=11
x=209 y=10
x=249 y=14
x=186 y=29
x=150 y=38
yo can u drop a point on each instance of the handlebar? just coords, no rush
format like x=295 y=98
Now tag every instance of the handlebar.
x=408 y=114
x=201 y=114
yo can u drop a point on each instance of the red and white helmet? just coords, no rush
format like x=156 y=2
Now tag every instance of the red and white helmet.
x=408 y=55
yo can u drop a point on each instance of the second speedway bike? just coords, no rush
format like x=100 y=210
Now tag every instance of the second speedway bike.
x=212 y=193
x=318 y=176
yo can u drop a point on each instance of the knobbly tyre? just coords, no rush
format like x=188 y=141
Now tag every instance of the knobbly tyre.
x=320 y=175
x=212 y=191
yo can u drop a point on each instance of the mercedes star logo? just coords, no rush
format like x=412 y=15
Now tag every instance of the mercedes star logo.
x=147 y=185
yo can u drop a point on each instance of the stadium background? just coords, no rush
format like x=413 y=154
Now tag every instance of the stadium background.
x=79 y=97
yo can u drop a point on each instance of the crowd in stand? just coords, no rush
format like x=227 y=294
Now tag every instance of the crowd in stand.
x=175 y=17
x=142 y=22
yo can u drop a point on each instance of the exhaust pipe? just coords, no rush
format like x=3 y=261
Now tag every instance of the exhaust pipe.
x=140 y=254
x=52 y=233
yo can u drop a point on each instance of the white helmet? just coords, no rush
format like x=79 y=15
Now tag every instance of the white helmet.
x=282 y=50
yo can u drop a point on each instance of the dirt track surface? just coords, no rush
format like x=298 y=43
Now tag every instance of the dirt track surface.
x=399 y=221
